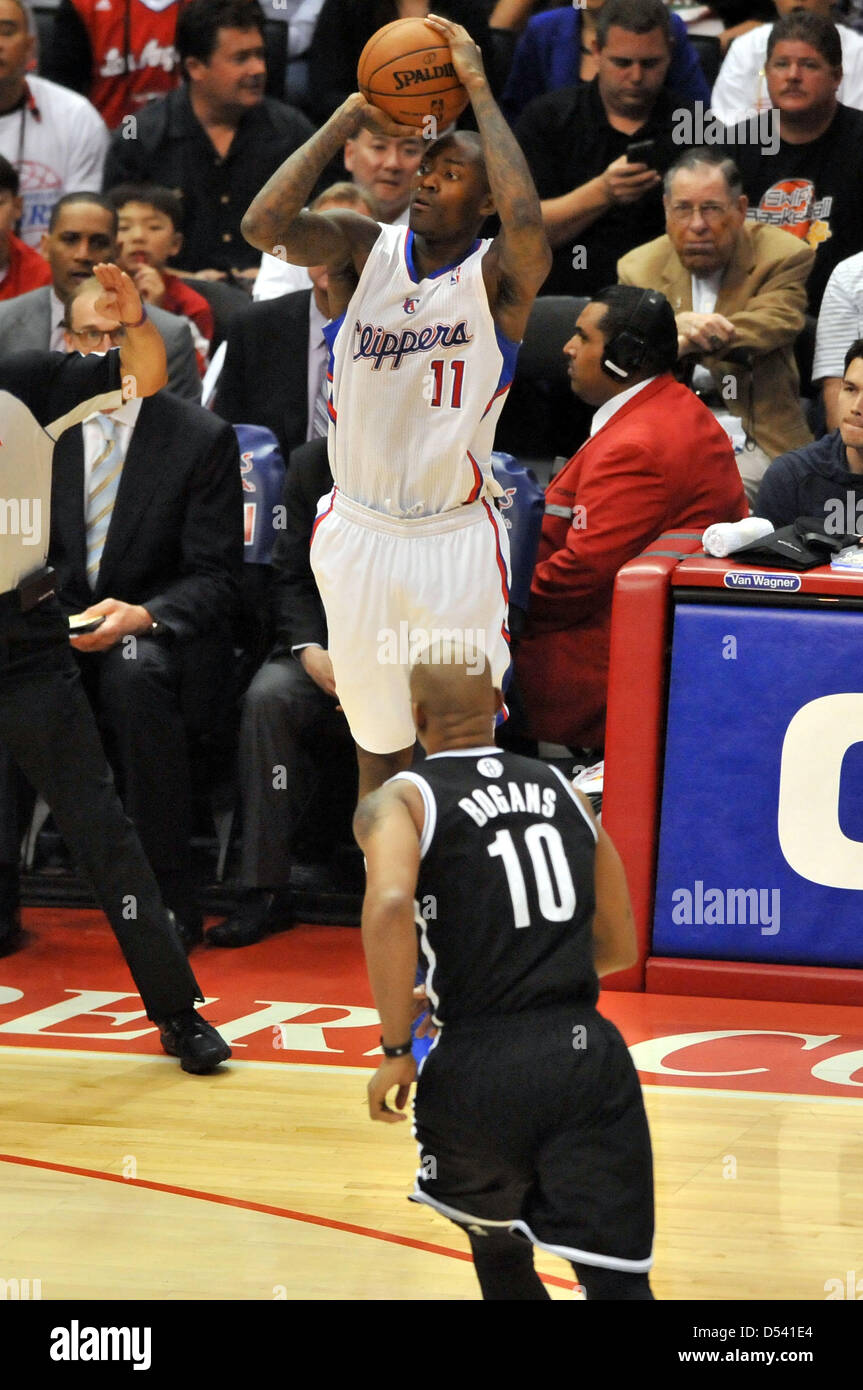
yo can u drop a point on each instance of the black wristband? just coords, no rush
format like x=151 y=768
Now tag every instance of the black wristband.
x=142 y=319
x=401 y=1051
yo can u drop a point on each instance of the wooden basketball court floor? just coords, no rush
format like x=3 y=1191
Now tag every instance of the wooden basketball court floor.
x=121 y=1177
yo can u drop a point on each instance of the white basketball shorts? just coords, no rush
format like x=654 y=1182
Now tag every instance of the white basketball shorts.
x=392 y=587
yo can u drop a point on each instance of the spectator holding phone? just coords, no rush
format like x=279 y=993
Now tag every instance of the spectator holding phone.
x=598 y=202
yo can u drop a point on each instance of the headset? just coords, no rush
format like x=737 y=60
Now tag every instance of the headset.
x=624 y=353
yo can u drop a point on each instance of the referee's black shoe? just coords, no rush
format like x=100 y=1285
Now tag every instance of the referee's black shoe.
x=10 y=932
x=262 y=911
x=195 y=1041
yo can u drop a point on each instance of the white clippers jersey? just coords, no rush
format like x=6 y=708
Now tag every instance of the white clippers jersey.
x=419 y=373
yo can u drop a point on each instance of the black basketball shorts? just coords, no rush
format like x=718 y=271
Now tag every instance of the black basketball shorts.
x=536 y=1122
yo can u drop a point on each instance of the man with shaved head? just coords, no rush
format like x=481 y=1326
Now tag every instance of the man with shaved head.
x=528 y=1109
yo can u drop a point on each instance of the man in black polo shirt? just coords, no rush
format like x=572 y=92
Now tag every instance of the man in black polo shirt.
x=813 y=184
x=45 y=720
x=596 y=205
x=216 y=139
x=824 y=479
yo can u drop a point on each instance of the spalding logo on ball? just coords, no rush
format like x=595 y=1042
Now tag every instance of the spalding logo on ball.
x=406 y=70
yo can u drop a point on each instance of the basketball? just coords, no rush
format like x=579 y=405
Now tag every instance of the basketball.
x=406 y=70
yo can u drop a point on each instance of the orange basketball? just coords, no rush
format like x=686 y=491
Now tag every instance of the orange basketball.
x=406 y=70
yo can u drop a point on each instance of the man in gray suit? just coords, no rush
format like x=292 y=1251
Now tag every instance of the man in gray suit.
x=82 y=233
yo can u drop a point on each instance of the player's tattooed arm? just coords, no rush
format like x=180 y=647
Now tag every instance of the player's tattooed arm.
x=276 y=220
x=520 y=257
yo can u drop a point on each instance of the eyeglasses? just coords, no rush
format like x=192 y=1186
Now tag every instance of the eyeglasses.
x=711 y=212
x=95 y=335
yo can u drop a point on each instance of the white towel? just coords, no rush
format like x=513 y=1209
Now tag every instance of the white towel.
x=727 y=536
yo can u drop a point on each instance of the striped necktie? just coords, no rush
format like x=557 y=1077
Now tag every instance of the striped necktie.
x=321 y=415
x=101 y=495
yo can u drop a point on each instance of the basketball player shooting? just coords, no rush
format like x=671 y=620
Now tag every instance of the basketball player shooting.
x=423 y=339
x=528 y=1108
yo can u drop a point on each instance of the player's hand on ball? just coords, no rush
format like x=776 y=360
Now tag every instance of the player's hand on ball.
x=377 y=121
x=466 y=55
x=393 y=1071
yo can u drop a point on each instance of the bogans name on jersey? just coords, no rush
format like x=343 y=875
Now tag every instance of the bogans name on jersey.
x=485 y=803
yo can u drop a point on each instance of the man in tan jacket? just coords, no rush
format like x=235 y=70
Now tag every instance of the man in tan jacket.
x=738 y=293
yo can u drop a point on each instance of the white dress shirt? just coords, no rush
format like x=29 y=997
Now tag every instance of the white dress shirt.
x=605 y=412
x=126 y=418
x=705 y=292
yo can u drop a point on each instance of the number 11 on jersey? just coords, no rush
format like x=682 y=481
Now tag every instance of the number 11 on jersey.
x=438 y=368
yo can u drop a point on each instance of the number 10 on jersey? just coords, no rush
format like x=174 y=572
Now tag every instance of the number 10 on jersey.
x=548 y=862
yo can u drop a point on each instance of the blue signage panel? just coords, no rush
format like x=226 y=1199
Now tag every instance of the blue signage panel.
x=761 y=834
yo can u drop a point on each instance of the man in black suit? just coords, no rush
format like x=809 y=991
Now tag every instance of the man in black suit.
x=295 y=744
x=45 y=720
x=161 y=566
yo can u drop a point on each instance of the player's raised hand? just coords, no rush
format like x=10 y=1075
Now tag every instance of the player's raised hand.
x=466 y=55
x=119 y=298
x=393 y=1071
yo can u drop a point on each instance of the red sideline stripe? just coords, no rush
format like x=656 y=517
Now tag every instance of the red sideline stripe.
x=322 y=517
x=221 y=1200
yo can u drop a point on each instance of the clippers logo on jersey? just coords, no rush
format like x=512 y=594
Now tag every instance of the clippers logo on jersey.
x=153 y=55
x=792 y=205
x=490 y=767
x=410 y=306
x=375 y=343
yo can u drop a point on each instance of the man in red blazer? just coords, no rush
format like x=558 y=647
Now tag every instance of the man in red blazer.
x=656 y=460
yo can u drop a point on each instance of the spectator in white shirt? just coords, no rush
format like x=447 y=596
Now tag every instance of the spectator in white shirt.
x=741 y=87
x=840 y=322
x=53 y=137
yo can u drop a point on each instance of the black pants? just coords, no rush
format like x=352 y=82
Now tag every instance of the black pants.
x=295 y=751
x=47 y=726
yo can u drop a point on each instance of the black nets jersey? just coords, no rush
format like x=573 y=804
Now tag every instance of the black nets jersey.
x=505 y=895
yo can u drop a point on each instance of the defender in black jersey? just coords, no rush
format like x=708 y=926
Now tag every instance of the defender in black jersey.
x=528 y=1108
